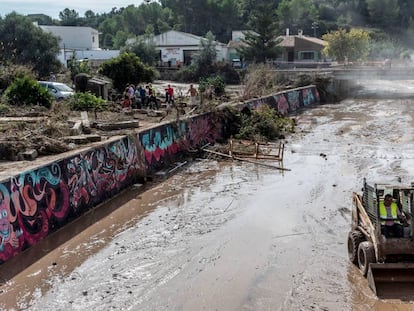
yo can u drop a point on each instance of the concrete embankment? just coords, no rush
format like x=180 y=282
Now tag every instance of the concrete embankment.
x=40 y=200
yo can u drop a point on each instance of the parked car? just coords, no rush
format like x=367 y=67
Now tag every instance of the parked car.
x=58 y=90
x=236 y=63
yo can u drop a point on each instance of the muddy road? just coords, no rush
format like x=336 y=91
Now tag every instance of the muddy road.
x=236 y=236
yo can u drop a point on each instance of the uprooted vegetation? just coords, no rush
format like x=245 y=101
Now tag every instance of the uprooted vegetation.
x=262 y=125
x=262 y=80
x=38 y=130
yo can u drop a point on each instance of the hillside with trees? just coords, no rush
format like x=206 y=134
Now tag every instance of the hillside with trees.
x=369 y=29
x=389 y=18
x=354 y=29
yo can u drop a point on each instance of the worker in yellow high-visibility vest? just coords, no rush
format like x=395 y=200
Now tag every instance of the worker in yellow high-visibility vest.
x=390 y=216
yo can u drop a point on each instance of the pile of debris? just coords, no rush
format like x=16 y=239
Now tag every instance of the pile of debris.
x=26 y=136
x=259 y=153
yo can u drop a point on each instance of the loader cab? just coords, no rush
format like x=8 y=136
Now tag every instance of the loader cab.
x=403 y=197
x=387 y=263
x=374 y=194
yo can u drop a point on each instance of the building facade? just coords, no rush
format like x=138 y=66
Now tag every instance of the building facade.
x=300 y=49
x=81 y=43
x=178 y=48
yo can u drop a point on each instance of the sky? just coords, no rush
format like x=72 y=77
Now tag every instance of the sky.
x=53 y=7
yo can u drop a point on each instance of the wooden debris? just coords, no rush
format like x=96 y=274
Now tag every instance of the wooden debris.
x=244 y=160
x=82 y=139
x=117 y=125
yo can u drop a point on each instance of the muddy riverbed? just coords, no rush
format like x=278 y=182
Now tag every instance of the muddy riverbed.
x=235 y=236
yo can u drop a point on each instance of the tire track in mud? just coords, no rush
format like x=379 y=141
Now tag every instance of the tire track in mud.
x=378 y=151
x=301 y=264
x=161 y=248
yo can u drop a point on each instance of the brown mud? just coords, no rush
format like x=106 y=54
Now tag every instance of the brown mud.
x=222 y=235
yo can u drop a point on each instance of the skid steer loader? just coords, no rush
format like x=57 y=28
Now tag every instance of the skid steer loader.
x=388 y=263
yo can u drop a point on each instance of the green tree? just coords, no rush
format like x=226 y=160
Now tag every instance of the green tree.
x=21 y=42
x=353 y=45
x=144 y=48
x=125 y=69
x=229 y=15
x=78 y=66
x=153 y=14
x=90 y=19
x=406 y=13
x=120 y=38
x=108 y=30
x=206 y=56
x=261 y=42
x=297 y=15
x=383 y=13
x=41 y=19
x=69 y=17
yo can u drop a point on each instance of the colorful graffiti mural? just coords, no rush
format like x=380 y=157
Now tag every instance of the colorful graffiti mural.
x=204 y=129
x=288 y=101
x=36 y=203
x=161 y=144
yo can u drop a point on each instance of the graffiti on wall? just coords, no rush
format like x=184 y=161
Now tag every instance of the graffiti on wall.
x=204 y=129
x=160 y=144
x=293 y=98
x=308 y=98
x=101 y=171
x=163 y=144
x=37 y=203
x=32 y=204
x=288 y=101
x=282 y=104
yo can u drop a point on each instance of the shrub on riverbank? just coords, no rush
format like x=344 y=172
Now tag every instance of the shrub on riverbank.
x=264 y=124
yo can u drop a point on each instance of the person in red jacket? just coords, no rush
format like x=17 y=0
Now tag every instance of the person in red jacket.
x=169 y=97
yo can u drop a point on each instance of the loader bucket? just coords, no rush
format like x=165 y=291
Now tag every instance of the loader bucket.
x=392 y=280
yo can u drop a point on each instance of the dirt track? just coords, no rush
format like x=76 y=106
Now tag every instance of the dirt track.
x=235 y=236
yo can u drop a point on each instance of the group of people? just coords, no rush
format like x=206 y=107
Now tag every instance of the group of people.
x=140 y=97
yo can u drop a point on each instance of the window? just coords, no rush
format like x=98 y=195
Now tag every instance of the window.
x=307 y=55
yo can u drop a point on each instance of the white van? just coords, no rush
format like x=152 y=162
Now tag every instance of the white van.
x=58 y=90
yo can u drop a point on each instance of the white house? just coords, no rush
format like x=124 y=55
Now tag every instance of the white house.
x=83 y=42
x=74 y=37
x=177 y=48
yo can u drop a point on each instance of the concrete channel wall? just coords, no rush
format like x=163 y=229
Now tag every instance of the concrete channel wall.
x=286 y=102
x=37 y=202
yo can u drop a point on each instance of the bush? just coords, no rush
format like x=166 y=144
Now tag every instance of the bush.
x=227 y=73
x=87 y=102
x=26 y=91
x=10 y=72
x=191 y=73
x=4 y=109
x=125 y=69
x=186 y=74
x=215 y=81
x=264 y=124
